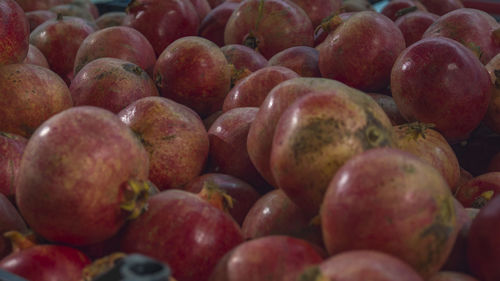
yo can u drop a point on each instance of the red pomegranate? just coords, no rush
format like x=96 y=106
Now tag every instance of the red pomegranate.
x=492 y=118
x=94 y=170
x=451 y=276
x=414 y=24
x=110 y=19
x=455 y=107
x=441 y=7
x=396 y=8
x=35 y=18
x=71 y=10
x=10 y=220
x=390 y=108
x=14 y=33
x=317 y=10
x=36 y=57
x=162 y=22
x=212 y=26
x=11 y=151
x=301 y=59
x=265 y=26
x=33 y=5
x=243 y=57
x=478 y=191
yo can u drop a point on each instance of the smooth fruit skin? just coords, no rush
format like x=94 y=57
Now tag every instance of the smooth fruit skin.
x=361 y=51
x=301 y=59
x=243 y=57
x=11 y=151
x=361 y=265
x=59 y=40
x=317 y=10
x=390 y=108
x=317 y=134
x=162 y=22
x=193 y=71
x=184 y=231
x=74 y=173
x=492 y=118
x=483 y=246
x=441 y=7
x=10 y=220
x=30 y=94
x=451 y=276
x=271 y=258
x=268 y=23
x=46 y=263
x=33 y=5
x=14 y=33
x=439 y=81
x=392 y=8
x=110 y=19
x=174 y=137
x=119 y=42
x=413 y=25
x=111 y=83
x=35 y=18
x=388 y=200
x=36 y=57
x=213 y=25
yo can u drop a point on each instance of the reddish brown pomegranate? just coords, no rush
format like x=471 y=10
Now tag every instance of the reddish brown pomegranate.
x=10 y=220
x=202 y=8
x=273 y=258
x=71 y=10
x=174 y=137
x=451 y=276
x=110 y=19
x=414 y=24
x=36 y=57
x=33 y=5
x=361 y=265
x=367 y=38
x=243 y=195
x=11 y=151
x=265 y=26
x=465 y=176
x=162 y=22
x=477 y=192
x=111 y=84
x=14 y=33
x=394 y=9
x=317 y=10
x=473 y=28
x=44 y=262
x=213 y=24
x=455 y=107
x=301 y=59
x=492 y=118
x=328 y=25
x=419 y=224
x=242 y=57
x=483 y=247
x=94 y=169
x=275 y=214
x=35 y=18
x=431 y=147
x=59 y=40
x=228 y=153
x=193 y=71
x=390 y=108
x=317 y=134
x=441 y=7
x=253 y=89
x=184 y=231
x=30 y=95
x=215 y=3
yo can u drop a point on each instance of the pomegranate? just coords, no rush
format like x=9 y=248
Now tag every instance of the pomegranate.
x=265 y=26
x=119 y=42
x=275 y=214
x=451 y=276
x=228 y=153
x=396 y=8
x=455 y=107
x=71 y=10
x=483 y=247
x=356 y=6
x=317 y=10
x=202 y=8
x=213 y=24
x=366 y=38
x=243 y=195
x=301 y=59
x=242 y=57
x=14 y=33
x=431 y=147
x=465 y=176
x=473 y=28
x=44 y=262
x=184 y=231
x=418 y=223
x=10 y=220
x=36 y=57
x=317 y=134
x=162 y=22
x=492 y=118
x=361 y=265
x=174 y=137
x=11 y=151
x=200 y=78
x=111 y=84
x=94 y=169
x=35 y=18
x=110 y=19
x=441 y=7
x=414 y=24
x=59 y=40
x=479 y=190
x=328 y=25
x=253 y=89
x=215 y=3
x=30 y=95
x=390 y=108
x=272 y=258
x=33 y=5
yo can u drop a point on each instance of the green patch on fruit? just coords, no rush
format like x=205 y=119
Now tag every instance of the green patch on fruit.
x=475 y=48
x=312 y=273
x=374 y=134
x=132 y=68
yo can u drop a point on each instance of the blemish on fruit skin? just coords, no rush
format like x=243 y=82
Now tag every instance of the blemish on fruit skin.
x=482 y=199
x=133 y=69
x=374 y=133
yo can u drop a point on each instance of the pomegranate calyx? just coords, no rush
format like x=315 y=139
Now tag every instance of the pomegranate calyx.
x=405 y=11
x=329 y=23
x=417 y=129
x=237 y=74
x=20 y=241
x=251 y=41
x=136 y=194
x=101 y=266
x=59 y=17
x=216 y=196
x=312 y=274
x=482 y=199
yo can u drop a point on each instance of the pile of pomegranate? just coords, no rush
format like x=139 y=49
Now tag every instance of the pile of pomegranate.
x=251 y=140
